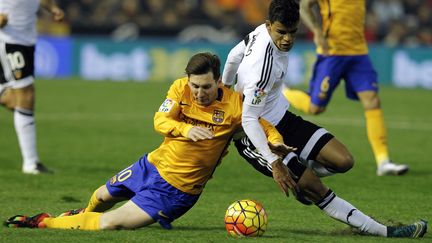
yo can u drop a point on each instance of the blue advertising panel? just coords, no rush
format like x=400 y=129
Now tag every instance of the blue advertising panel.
x=53 y=57
x=159 y=60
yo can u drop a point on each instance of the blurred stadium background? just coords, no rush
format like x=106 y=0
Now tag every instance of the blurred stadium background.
x=151 y=40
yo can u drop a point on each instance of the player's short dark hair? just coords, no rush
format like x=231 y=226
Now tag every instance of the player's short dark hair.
x=284 y=11
x=202 y=63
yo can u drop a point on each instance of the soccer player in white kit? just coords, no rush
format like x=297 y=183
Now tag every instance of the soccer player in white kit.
x=17 y=92
x=260 y=62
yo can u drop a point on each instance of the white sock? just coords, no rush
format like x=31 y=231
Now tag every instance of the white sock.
x=343 y=211
x=25 y=128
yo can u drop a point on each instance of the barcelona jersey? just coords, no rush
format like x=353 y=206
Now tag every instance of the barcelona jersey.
x=185 y=164
x=343 y=26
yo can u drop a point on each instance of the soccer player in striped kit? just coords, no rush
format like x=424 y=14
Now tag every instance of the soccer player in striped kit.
x=258 y=64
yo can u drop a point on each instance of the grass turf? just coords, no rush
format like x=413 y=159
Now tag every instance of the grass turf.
x=88 y=131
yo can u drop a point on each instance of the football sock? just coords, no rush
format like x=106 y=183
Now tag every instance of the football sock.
x=95 y=205
x=377 y=134
x=82 y=221
x=25 y=128
x=297 y=98
x=343 y=211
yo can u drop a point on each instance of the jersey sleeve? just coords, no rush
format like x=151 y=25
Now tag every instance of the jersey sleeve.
x=273 y=136
x=167 y=119
x=255 y=132
x=258 y=81
x=232 y=63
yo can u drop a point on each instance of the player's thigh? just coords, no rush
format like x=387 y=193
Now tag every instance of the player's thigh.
x=128 y=216
x=326 y=77
x=24 y=97
x=360 y=78
x=306 y=136
x=335 y=155
x=7 y=99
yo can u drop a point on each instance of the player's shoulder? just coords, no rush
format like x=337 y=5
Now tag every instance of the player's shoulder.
x=230 y=95
x=180 y=83
x=258 y=45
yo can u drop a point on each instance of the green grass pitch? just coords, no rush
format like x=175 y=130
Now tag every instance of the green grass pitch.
x=88 y=131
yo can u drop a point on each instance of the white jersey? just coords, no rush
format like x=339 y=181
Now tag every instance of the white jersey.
x=260 y=72
x=21 y=26
x=260 y=67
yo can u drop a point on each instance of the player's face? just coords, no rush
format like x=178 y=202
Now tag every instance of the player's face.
x=282 y=36
x=204 y=88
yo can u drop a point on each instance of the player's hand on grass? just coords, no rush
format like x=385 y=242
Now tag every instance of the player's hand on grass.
x=281 y=149
x=3 y=20
x=283 y=178
x=199 y=133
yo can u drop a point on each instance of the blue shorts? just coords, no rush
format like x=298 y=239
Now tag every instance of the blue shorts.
x=142 y=184
x=357 y=71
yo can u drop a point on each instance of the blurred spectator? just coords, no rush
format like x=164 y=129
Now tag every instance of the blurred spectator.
x=134 y=18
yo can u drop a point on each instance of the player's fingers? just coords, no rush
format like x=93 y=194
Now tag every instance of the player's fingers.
x=205 y=133
x=284 y=188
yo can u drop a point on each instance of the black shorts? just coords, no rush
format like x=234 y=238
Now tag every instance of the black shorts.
x=307 y=137
x=17 y=62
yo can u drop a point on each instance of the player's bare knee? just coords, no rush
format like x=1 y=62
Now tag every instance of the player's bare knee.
x=346 y=163
x=102 y=194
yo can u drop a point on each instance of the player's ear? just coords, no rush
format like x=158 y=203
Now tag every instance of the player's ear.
x=268 y=24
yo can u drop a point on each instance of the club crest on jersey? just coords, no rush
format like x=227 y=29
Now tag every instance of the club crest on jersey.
x=166 y=105
x=218 y=116
x=258 y=95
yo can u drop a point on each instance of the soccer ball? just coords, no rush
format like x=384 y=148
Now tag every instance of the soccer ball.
x=246 y=218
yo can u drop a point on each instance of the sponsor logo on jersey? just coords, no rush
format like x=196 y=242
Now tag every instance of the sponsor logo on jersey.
x=161 y=213
x=258 y=95
x=166 y=106
x=218 y=116
x=196 y=122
